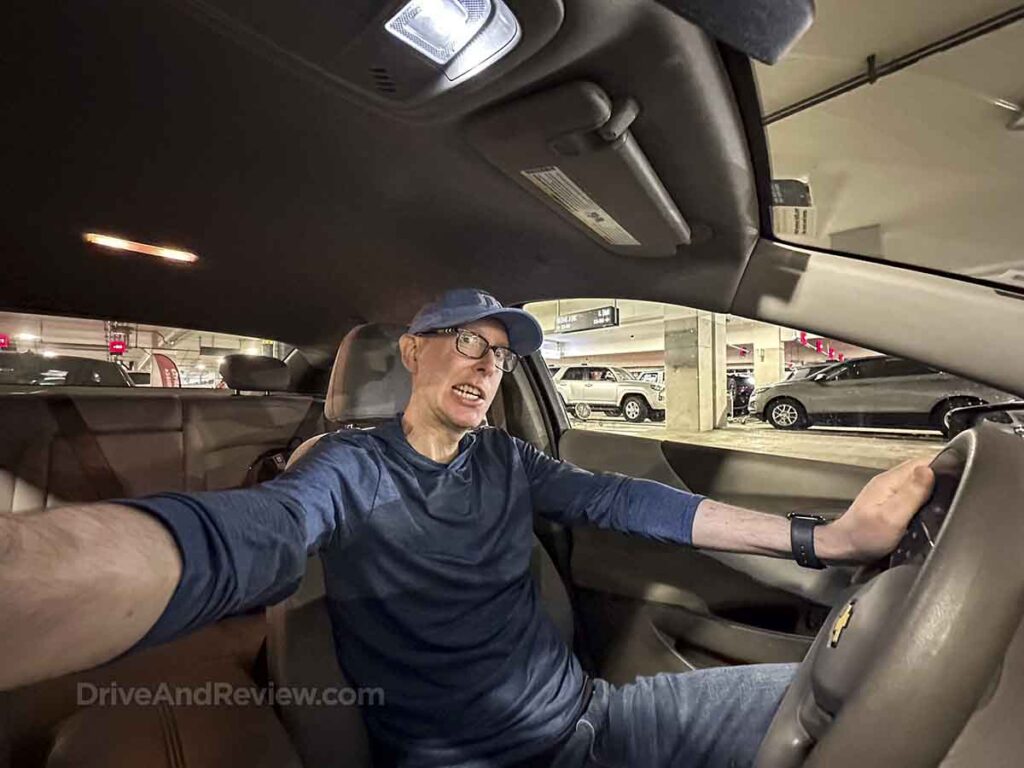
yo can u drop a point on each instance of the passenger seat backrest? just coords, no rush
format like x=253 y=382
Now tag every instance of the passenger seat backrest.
x=368 y=383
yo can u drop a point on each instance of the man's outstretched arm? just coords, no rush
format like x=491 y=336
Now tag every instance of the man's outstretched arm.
x=79 y=585
x=870 y=528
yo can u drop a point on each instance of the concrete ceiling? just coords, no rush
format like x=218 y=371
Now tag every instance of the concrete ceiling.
x=924 y=154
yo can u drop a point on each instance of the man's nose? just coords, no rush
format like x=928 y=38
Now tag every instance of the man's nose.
x=488 y=363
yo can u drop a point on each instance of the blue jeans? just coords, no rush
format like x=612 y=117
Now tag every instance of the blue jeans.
x=713 y=717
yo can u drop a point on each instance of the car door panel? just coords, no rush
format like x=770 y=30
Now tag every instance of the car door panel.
x=658 y=607
x=601 y=391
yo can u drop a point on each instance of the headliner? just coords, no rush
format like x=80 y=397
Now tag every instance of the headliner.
x=311 y=212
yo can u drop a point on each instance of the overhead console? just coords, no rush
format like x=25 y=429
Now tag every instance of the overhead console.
x=424 y=59
x=571 y=148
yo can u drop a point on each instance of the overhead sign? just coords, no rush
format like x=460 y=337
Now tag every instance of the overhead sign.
x=793 y=211
x=117 y=346
x=5 y=341
x=587 y=320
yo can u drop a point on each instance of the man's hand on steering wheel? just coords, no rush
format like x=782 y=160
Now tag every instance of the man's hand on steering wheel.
x=873 y=525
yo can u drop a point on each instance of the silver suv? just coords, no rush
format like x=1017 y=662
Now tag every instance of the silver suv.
x=870 y=392
x=588 y=388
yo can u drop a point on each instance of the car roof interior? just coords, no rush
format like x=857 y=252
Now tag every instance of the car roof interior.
x=321 y=186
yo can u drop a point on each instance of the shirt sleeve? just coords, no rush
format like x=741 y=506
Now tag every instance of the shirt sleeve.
x=246 y=548
x=567 y=494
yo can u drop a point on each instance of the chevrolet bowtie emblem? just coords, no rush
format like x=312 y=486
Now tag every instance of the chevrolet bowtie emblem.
x=841 y=622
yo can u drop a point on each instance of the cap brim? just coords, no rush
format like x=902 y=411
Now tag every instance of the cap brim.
x=524 y=332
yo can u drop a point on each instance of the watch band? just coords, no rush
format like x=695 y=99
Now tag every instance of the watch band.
x=801 y=538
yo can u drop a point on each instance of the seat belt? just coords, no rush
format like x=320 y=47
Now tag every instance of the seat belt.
x=272 y=463
x=72 y=427
x=305 y=427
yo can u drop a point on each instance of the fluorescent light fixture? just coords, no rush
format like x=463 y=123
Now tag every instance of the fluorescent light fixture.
x=27 y=337
x=439 y=29
x=48 y=353
x=200 y=367
x=119 y=244
x=252 y=351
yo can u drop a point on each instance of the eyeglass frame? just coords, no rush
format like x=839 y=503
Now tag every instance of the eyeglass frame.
x=456 y=330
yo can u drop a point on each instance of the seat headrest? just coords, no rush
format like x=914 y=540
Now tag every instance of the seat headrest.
x=255 y=373
x=368 y=380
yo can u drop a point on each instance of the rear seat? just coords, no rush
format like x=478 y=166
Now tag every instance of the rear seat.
x=153 y=440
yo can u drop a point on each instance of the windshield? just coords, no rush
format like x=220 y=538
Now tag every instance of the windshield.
x=924 y=166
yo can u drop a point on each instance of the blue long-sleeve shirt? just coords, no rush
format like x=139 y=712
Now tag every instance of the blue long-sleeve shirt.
x=427 y=571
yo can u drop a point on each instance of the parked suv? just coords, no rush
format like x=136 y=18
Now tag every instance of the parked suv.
x=870 y=391
x=587 y=388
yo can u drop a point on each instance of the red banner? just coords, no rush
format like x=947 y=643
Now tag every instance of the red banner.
x=168 y=371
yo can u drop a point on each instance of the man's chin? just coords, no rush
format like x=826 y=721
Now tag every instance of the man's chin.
x=465 y=418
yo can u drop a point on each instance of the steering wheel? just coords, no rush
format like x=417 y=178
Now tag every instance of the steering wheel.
x=899 y=667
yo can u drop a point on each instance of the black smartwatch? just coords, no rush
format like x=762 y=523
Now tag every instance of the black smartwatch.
x=801 y=538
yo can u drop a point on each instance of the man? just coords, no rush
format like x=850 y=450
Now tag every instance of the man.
x=424 y=527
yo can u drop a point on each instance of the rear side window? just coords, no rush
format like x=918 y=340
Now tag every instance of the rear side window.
x=906 y=368
x=574 y=374
x=49 y=351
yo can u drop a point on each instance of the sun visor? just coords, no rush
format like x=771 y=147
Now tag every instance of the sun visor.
x=572 y=149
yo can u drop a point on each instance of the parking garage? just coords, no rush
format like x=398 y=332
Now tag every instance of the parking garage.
x=707 y=363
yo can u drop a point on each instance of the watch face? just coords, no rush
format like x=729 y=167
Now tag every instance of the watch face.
x=811 y=518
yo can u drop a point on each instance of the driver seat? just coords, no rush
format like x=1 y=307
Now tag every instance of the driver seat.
x=368 y=385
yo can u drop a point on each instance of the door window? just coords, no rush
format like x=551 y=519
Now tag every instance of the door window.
x=574 y=374
x=719 y=377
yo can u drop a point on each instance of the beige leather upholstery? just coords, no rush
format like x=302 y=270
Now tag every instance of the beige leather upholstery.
x=368 y=380
x=154 y=440
x=300 y=648
x=168 y=736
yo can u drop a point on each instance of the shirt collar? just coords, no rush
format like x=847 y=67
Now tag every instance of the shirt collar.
x=393 y=434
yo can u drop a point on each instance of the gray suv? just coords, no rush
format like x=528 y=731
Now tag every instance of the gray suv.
x=870 y=392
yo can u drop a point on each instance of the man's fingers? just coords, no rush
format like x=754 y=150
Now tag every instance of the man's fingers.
x=923 y=478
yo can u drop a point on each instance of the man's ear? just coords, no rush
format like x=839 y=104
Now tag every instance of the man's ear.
x=408 y=346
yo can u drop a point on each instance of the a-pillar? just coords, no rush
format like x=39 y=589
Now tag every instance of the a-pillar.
x=769 y=356
x=695 y=381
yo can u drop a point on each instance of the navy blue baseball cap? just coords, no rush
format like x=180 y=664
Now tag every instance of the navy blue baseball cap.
x=467 y=305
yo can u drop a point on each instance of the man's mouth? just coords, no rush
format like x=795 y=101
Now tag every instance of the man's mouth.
x=469 y=393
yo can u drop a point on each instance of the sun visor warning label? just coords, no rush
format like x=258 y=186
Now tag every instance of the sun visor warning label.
x=564 y=191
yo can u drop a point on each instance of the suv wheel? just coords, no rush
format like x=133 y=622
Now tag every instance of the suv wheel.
x=634 y=408
x=786 y=413
x=582 y=411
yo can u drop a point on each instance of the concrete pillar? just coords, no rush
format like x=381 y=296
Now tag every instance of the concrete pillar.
x=719 y=360
x=695 y=389
x=769 y=356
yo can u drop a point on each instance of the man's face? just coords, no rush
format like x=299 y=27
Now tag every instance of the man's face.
x=455 y=389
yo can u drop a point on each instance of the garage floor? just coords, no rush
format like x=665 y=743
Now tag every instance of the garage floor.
x=861 y=447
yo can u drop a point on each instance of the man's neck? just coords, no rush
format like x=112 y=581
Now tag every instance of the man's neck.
x=429 y=438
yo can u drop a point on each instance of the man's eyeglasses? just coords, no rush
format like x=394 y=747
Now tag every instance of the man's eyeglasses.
x=475 y=346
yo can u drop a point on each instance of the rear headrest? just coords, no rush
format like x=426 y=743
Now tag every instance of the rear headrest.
x=368 y=380
x=255 y=373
